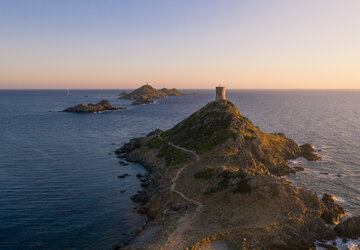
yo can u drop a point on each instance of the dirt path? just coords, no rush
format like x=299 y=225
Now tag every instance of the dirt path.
x=175 y=240
x=173 y=181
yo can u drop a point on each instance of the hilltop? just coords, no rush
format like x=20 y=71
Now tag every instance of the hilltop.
x=214 y=177
x=147 y=92
x=219 y=125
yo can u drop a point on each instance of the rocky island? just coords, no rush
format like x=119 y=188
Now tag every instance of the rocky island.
x=146 y=93
x=101 y=106
x=215 y=180
x=143 y=100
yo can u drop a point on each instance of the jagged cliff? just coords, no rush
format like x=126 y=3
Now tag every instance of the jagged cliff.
x=214 y=178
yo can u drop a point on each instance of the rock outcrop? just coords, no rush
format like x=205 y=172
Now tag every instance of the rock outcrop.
x=350 y=228
x=101 y=106
x=236 y=178
x=308 y=152
x=147 y=91
x=332 y=212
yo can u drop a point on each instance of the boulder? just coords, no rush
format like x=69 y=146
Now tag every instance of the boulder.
x=332 y=212
x=308 y=152
x=350 y=228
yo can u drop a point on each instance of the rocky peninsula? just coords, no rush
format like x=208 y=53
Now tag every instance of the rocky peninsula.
x=146 y=93
x=215 y=180
x=101 y=106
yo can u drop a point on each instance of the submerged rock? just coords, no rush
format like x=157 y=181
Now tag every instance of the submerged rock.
x=350 y=228
x=101 y=106
x=123 y=175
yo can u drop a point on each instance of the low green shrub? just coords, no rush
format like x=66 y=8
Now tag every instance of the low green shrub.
x=155 y=143
x=243 y=187
x=173 y=156
x=205 y=174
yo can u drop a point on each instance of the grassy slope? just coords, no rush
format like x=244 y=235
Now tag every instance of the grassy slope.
x=220 y=124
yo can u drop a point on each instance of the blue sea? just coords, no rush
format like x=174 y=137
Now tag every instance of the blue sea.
x=58 y=174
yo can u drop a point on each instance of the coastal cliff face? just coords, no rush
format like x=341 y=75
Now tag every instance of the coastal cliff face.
x=227 y=187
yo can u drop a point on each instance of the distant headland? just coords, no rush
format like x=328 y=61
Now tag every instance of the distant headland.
x=146 y=93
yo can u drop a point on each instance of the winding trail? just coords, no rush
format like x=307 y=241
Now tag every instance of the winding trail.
x=173 y=181
x=176 y=240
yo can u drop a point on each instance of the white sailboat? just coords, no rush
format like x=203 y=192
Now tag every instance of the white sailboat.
x=67 y=92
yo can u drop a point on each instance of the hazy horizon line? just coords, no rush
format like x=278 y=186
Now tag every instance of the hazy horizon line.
x=181 y=89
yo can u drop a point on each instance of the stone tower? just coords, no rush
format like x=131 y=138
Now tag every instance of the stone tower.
x=220 y=93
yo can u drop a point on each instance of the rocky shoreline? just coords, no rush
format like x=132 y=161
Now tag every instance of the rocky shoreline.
x=247 y=205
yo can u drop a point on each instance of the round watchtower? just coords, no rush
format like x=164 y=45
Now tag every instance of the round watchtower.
x=220 y=93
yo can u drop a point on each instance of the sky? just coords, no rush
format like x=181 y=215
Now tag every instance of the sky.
x=116 y=44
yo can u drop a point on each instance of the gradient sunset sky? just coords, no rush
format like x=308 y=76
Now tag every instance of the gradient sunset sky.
x=114 y=44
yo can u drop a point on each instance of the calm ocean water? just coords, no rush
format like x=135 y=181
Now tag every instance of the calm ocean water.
x=58 y=184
